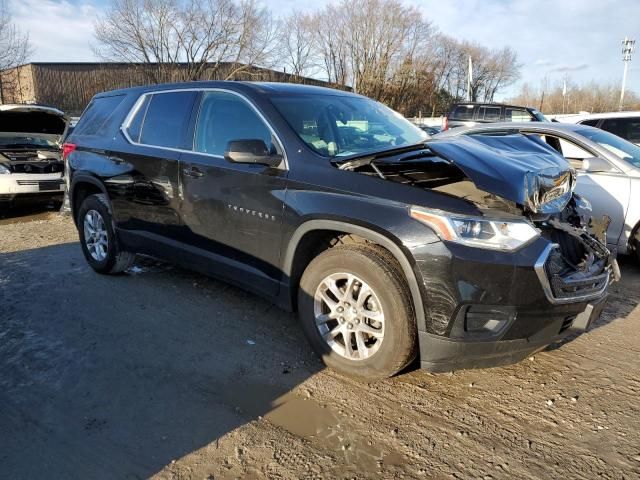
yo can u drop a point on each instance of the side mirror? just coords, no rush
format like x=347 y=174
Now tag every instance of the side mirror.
x=595 y=164
x=251 y=151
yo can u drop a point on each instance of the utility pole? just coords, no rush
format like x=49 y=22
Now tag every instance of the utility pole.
x=628 y=47
x=469 y=80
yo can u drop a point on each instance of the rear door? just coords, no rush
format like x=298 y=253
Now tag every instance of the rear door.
x=153 y=135
x=234 y=211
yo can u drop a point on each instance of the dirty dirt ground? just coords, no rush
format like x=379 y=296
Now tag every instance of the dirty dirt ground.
x=165 y=373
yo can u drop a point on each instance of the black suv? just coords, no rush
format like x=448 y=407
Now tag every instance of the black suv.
x=329 y=203
x=471 y=113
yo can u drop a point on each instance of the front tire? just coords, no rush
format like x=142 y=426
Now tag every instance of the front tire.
x=98 y=239
x=356 y=312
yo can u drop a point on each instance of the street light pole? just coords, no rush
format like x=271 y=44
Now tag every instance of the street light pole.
x=469 y=80
x=628 y=47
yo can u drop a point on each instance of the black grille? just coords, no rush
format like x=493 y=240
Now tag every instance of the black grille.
x=567 y=287
x=49 y=185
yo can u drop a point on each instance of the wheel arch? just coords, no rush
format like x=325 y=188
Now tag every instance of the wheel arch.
x=82 y=186
x=326 y=229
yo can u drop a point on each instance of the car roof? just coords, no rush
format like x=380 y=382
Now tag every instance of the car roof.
x=490 y=104
x=504 y=126
x=269 y=88
x=611 y=115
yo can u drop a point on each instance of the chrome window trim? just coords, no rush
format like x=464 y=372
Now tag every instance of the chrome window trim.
x=546 y=286
x=136 y=107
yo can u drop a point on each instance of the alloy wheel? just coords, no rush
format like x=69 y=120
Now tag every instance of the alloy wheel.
x=95 y=235
x=349 y=316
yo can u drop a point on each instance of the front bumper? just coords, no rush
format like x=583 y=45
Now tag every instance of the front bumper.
x=19 y=184
x=510 y=290
x=440 y=354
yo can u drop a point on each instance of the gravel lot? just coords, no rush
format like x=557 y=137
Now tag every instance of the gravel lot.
x=166 y=373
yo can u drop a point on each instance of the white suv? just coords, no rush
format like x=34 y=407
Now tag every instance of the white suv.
x=623 y=124
x=30 y=157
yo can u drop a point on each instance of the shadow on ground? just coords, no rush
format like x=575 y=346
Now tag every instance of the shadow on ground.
x=115 y=377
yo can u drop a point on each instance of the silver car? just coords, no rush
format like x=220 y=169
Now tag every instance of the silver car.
x=607 y=167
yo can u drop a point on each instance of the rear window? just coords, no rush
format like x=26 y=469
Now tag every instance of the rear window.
x=517 y=115
x=166 y=119
x=462 y=112
x=627 y=128
x=96 y=115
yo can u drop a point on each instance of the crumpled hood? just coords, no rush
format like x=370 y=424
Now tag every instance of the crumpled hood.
x=515 y=167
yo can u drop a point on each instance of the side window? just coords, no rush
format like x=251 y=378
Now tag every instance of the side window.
x=135 y=125
x=463 y=112
x=491 y=114
x=627 y=128
x=517 y=115
x=167 y=119
x=224 y=117
x=590 y=123
x=97 y=114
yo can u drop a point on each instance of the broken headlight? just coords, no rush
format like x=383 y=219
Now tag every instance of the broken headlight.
x=477 y=232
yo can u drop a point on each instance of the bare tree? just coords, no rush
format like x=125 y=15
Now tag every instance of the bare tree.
x=590 y=97
x=186 y=39
x=295 y=44
x=15 y=49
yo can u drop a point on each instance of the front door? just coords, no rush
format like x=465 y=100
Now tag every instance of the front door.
x=233 y=211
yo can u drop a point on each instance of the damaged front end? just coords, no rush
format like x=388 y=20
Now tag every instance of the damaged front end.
x=520 y=182
x=577 y=263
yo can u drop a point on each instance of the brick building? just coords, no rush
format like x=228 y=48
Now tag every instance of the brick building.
x=70 y=86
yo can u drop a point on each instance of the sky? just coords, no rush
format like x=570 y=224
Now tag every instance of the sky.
x=553 y=38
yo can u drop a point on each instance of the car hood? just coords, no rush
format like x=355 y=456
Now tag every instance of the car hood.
x=515 y=167
x=32 y=119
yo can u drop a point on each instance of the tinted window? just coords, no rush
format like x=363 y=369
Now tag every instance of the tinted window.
x=591 y=123
x=462 y=112
x=627 y=128
x=342 y=125
x=517 y=115
x=135 y=125
x=167 y=119
x=224 y=117
x=491 y=114
x=97 y=114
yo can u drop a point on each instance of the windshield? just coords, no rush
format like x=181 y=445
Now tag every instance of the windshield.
x=627 y=151
x=539 y=116
x=340 y=126
x=27 y=140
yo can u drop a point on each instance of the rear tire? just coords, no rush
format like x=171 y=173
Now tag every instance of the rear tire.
x=97 y=237
x=356 y=311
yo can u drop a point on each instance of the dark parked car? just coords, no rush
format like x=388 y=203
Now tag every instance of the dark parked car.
x=331 y=204
x=623 y=124
x=471 y=113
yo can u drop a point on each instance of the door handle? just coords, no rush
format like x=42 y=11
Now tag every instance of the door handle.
x=116 y=160
x=193 y=172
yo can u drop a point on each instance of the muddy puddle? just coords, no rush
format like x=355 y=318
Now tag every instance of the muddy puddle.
x=303 y=416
